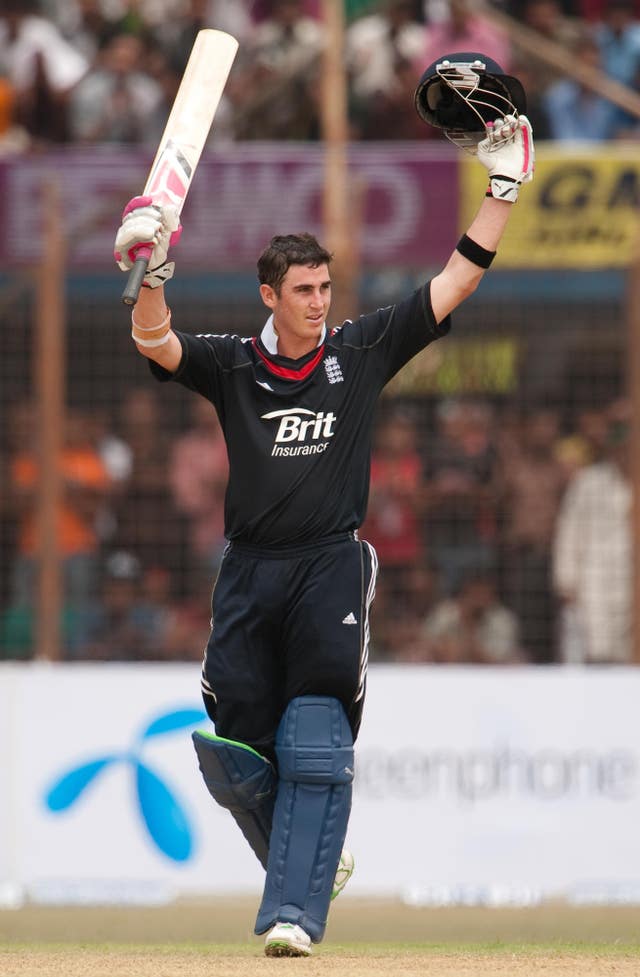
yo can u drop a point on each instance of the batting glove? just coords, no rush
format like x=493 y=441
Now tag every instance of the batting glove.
x=151 y=228
x=508 y=154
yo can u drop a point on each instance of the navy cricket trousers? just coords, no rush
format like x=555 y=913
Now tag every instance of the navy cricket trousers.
x=287 y=623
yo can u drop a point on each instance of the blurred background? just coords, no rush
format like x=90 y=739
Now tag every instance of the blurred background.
x=501 y=495
x=505 y=468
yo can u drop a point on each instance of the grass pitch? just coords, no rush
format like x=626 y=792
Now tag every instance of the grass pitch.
x=364 y=937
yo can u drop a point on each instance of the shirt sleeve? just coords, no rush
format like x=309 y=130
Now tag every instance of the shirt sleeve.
x=204 y=360
x=397 y=332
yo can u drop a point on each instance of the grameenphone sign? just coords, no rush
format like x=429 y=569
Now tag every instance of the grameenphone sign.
x=520 y=781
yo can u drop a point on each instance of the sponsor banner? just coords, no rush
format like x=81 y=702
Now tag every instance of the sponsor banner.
x=241 y=196
x=472 y=785
x=581 y=211
x=453 y=367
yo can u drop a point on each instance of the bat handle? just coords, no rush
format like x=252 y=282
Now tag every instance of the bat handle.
x=136 y=275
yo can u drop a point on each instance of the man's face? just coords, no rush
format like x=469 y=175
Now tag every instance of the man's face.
x=300 y=308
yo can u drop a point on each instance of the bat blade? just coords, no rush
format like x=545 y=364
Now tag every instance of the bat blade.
x=186 y=132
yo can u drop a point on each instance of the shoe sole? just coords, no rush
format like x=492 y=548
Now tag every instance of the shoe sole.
x=282 y=949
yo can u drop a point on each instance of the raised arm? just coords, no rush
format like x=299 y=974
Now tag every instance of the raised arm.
x=147 y=225
x=509 y=165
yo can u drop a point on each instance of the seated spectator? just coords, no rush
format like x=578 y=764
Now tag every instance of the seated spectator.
x=381 y=50
x=470 y=628
x=276 y=94
x=461 y=519
x=532 y=481
x=41 y=67
x=575 y=112
x=593 y=555
x=118 y=101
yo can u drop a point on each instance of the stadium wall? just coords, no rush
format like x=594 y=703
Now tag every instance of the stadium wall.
x=478 y=786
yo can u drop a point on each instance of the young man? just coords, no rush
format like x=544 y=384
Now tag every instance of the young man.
x=285 y=667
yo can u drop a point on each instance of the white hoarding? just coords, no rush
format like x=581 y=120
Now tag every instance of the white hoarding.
x=471 y=784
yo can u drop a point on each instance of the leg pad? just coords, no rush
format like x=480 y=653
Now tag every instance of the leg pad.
x=314 y=748
x=241 y=780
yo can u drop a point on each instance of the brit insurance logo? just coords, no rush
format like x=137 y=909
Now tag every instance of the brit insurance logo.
x=162 y=812
x=301 y=431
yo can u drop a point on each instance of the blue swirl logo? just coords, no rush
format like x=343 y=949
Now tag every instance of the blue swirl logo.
x=163 y=816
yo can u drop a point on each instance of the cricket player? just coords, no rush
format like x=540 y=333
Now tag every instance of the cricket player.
x=285 y=667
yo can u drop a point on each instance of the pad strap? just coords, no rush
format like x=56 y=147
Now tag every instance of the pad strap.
x=474 y=252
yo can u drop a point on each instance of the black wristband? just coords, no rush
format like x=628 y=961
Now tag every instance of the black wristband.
x=474 y=252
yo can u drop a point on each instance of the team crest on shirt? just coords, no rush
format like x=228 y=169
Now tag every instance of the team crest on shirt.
x=332 y=369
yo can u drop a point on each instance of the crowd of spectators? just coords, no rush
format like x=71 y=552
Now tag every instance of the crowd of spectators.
x=504 y=537
x=106 y=71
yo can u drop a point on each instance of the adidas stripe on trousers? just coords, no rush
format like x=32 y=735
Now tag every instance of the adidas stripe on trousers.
x=287 y=623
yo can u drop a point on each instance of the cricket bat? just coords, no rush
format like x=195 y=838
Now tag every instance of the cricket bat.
x=185 y=133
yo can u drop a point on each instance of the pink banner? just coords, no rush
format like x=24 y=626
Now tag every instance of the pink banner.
x=241 y=196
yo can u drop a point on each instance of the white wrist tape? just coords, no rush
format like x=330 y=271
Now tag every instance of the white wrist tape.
x=151 y=336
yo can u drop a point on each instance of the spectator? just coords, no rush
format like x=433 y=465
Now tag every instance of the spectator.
x=461 y=493
x=548 y=19
x=41 y=67
x=198 y=472
x=177 y=34
x=618 y=39
x=145 y=500
x=464 y=29
x=86 y=487
x=396 y=500
x=532 y=483
x=381 y=51
x=470 y=628
x=85 y=24
x=595 y=10
x=576 y=113
x=276 y=90
x=122 y=627
x=585 y=443
x=118 y=101
x=396 y=620
x=592 y=554
x=188 y=626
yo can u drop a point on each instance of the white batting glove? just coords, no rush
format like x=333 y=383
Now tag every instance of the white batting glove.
x=151 y=228
x=508 y=154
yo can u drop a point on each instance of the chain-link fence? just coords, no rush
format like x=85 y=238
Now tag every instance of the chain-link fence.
x=500 y=496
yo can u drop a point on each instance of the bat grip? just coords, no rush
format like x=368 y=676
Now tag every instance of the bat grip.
x=136 y=275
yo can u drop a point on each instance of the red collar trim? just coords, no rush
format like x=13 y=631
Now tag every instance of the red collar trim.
x=286 y=372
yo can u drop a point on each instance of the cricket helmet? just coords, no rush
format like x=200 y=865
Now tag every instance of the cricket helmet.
x=459 y=93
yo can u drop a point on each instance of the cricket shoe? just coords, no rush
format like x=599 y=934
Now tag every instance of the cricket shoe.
x=346 y=866
x=287 y=940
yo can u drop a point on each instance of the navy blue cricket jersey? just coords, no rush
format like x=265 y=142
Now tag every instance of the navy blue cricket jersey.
x=298 y=432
